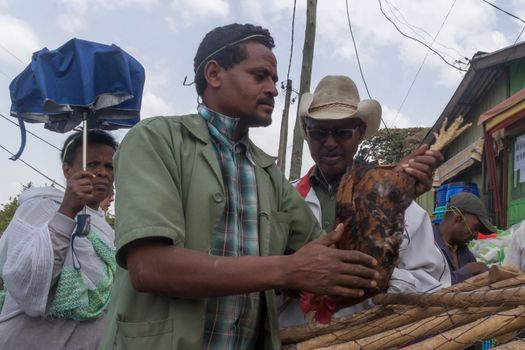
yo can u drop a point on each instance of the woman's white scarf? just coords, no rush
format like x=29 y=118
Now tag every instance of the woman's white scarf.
x=26 y=262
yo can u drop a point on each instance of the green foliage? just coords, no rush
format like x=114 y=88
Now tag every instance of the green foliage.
x=8 y=209
x=6 y=213
x=387 y=147
x=110 y=219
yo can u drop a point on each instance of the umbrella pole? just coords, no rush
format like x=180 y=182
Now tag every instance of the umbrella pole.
x=83 y=220
x=84 y=141
x=84 y=148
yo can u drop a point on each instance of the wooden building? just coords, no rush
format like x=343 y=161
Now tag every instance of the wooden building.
x=491 y=152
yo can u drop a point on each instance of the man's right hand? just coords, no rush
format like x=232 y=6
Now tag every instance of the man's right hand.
x=320 y=268
x=79 y=191
x=475 y=268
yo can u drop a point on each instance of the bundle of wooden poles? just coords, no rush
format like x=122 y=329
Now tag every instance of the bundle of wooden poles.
x=490 y=306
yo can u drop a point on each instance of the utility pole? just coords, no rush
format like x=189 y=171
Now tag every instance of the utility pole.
x=306 y=75
x=283 y=139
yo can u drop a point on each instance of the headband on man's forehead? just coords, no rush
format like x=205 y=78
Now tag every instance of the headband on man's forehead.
x=226 y=46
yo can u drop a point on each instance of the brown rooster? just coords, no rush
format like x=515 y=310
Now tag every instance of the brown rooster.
x=371 y=203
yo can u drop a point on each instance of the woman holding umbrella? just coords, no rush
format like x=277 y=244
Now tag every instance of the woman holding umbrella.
x=57 y=287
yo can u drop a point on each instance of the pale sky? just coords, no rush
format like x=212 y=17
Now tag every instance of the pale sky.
x=164 y=35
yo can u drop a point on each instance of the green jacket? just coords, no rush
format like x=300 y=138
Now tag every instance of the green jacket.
x=169 y=184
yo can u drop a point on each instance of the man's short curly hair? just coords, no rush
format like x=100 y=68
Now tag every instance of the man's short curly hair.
x=222 y=37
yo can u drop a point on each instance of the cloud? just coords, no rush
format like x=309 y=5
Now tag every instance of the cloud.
x=145 y=4
x=74 y=15
x=397 y=120
x=188 y=12
x=72 y=19
x=153 y=105
x=19 y=38
x=462 y=34
x=272 y=11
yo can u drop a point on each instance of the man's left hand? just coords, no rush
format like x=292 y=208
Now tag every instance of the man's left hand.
x=421 y=164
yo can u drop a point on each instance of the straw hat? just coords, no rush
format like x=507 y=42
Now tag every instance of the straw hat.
x=336 y=97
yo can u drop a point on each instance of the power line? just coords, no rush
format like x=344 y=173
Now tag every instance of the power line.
x=12 y=54
x=355 y=48
x=423 y=62
x=29 y=132
x=5 y=75
x=394 y=9
x=419 y=41
x=291 y=45
x=502 y=10
x=359 y=62
x=519 y=35
x=32 y=167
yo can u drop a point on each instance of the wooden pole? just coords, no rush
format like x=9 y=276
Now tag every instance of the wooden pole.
x=283 y=139
x=369 y=328
x=426 y=327
x=510 y=296
x=363 y=322
x=296 y=334
x=487 y=327
x=306 y=75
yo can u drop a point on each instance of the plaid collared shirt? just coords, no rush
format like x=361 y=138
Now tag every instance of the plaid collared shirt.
x=232 y=322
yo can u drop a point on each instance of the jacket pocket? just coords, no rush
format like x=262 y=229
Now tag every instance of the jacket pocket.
x=144 y=335
x=279 y=228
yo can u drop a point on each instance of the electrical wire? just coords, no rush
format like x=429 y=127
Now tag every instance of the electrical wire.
x=5 y=75
x=29 y=132
x=12 y=54
x=291 y=45
x=415 y=29
x=419 y=41
x=359 y=62
x=34 y=168
x=519 y=35
x=355 y=48
x=502 y=10
x=423 y=63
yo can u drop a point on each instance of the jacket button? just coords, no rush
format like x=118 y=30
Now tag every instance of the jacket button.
x=218 y=197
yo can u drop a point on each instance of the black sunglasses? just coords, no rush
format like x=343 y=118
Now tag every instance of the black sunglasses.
x=339 y=135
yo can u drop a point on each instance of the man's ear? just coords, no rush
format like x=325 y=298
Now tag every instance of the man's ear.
x=212 y=73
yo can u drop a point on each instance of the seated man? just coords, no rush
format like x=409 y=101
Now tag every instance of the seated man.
x=334 y=123
x=465 y=216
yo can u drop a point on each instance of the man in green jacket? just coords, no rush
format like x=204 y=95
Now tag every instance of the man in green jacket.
x=205 y=217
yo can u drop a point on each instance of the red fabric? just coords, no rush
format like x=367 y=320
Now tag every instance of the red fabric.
x=323 y=306
x=304 y=186
x=485 y=236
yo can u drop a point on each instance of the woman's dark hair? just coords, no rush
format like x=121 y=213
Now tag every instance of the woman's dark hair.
x=74 y=142
x=219 y=39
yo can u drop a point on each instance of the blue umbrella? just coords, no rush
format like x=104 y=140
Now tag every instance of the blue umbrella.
x=84 y=82
x=80 y=82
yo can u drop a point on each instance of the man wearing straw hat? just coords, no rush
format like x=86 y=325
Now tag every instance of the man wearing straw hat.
x=465 y=216
x=334 y=122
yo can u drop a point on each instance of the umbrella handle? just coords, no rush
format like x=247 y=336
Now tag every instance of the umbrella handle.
x=22 y=126
x=81 y=230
